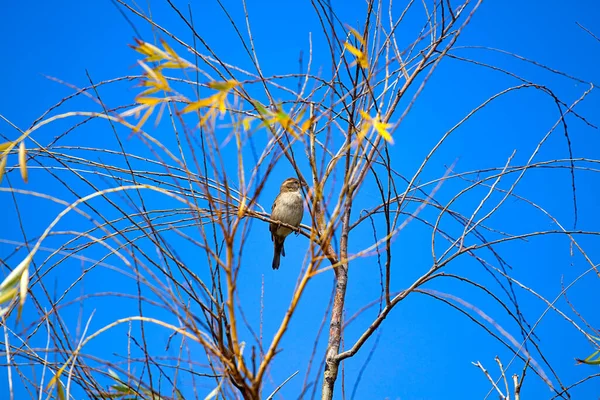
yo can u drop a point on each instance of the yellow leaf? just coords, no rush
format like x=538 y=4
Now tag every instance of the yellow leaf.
x=148 y=83
x=205 y=118
x=149 y=92
x=286 y=122
x=245 y=124
x=159 y=114
x=366 y=124
x=156 y=76
x=220 y=98
x=60 y=392
x=2 y=166
x=357 y=35
x=242 y=207
x=353 y=49
x=175 y=64
x=149 y=71
x=139 y=47
x=299 y=117
x=56 y=378
x=198 y=104
x=361 y=57
x=382 y=129
x=364 y=129
x=223 y=86
x=305 y=125
x=23 y=161
x=5 y=146
x=151 y=101
x=363 y=62
x=151 y=52
x=144 y=118
x=169 y=49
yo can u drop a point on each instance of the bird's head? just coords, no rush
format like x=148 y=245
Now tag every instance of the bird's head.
x=292 y=185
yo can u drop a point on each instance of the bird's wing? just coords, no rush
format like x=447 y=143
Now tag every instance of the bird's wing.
x=272 y=226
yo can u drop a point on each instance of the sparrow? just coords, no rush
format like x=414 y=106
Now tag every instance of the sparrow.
x=288 y=208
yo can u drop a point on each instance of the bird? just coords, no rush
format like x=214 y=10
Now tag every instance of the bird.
x=287 y=208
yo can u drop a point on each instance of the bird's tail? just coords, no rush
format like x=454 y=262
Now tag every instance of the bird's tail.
x=278 y=251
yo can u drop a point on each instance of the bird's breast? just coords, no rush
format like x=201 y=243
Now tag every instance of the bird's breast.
x=289 y=209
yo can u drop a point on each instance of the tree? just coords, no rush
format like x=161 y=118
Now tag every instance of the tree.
x=166 y=222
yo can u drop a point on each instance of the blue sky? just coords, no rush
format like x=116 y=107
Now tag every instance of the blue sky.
x=425 y=348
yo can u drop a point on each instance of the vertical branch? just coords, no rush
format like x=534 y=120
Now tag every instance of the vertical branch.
x=335 y=327
x=341 y=279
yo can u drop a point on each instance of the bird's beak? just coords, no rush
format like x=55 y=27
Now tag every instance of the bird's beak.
x=304 y=184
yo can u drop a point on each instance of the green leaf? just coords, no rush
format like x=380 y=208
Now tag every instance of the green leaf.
x=7 y=294
x=15 y=274
x=260 y=108
x=590 y=360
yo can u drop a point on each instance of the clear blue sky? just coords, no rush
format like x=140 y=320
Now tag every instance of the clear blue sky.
x=426 y=348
